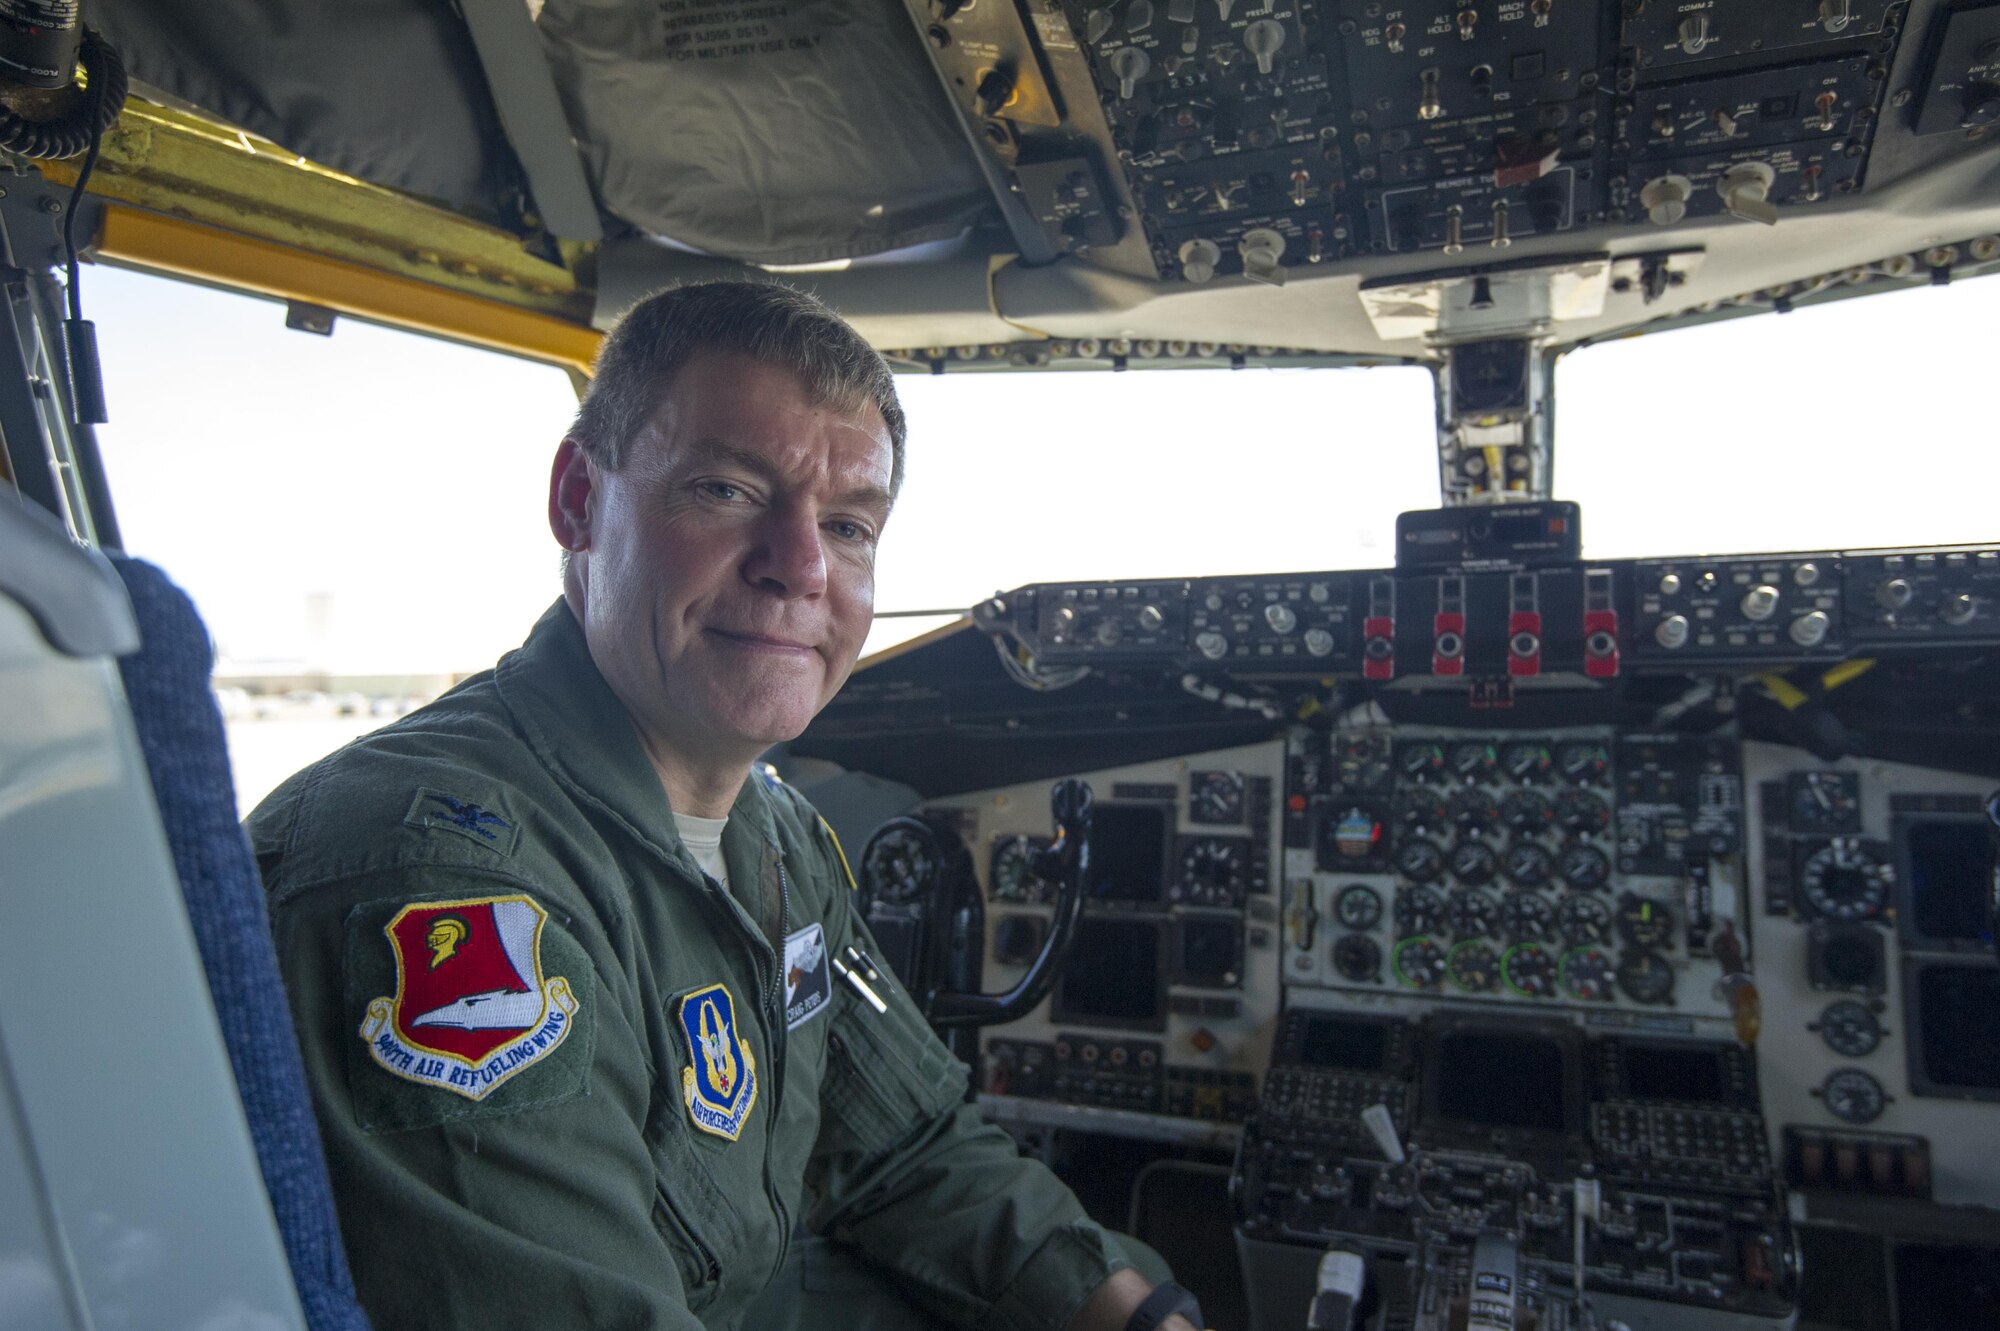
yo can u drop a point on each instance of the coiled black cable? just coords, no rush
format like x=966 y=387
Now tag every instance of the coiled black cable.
x=86 y=121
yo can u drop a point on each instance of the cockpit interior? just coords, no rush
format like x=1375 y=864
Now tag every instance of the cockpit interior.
x=1498 y=936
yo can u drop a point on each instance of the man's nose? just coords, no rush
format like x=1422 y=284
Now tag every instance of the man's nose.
x=789 y=557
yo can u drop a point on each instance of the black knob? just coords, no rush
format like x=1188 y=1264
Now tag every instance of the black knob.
x=1981 y=104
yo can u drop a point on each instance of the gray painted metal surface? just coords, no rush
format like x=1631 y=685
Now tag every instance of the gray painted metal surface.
x=121 y=1138
x=72 y=593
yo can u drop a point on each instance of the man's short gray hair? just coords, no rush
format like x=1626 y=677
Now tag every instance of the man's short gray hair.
x=766 y=321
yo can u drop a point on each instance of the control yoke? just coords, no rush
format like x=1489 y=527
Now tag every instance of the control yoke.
x=1066 y=863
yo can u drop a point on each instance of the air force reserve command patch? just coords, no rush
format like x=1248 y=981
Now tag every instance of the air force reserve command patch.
x=808 y=979
x=721 y=1086
x=471 y=1008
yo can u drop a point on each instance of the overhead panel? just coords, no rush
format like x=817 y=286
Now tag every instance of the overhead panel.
x=1260 y=138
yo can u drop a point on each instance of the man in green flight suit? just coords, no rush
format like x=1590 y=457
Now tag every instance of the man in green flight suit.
x=562 y=963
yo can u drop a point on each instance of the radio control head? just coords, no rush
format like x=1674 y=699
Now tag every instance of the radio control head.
x=1760 y=602
x=1894 y=593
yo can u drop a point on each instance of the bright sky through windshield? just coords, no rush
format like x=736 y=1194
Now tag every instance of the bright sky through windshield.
x=373 y=502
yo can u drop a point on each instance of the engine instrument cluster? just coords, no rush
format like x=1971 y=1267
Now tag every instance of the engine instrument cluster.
x=1576 y=868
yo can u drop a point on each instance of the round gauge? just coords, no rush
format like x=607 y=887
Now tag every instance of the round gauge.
x=1358 y=959
x=1585 y=764
x=1474 y=810
x=1850 y=1029
x=1527 y=812
x=1530 y=970
x=1643 y=923
x=1845 y=880
x=1528 y=865
x=1419 y=911
x=1350 y=834
x=1825 y=801
x=1527 y=762
x=1422 y=762
x=1358 y=906
x=1587 y=973
x=1364 y=763
x=1421 y=811
x=1419 y=860
x=1013 y=872
x=1583 y=920
x=1418 y=963
x=1584 y=868
x=1215 y=797
x=1471 y=914
x=1852 y=1096
x=1212 y=872
x=1474 y=967
x=1474 y=863
x=1581 y=811
x=1646 y=977
x=1473 y=761
x=900 y=862
x=1528 y=917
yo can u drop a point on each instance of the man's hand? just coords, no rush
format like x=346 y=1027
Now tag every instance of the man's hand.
x=1111 y=1305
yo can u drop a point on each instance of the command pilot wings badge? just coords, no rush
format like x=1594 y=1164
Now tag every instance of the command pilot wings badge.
x=722 y=1085
x=471 y=1008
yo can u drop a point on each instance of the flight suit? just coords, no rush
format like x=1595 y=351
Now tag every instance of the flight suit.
x=567 y=1080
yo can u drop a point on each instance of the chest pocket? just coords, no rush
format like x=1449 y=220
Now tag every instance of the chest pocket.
x=886 y=1073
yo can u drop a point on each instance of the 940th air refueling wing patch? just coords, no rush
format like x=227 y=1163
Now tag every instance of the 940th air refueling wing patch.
x=721 y=1087
x=471 y=1008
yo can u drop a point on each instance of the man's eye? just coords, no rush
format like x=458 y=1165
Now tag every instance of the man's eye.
x=849 y=531
x=721 y=490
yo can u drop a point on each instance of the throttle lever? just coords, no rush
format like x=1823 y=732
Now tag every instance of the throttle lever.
x=1066 y=862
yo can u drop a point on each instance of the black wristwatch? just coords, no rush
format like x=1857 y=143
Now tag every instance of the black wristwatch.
x=1165 y=1300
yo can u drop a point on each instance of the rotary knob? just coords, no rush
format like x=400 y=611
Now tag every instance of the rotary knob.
x=1959 y=610
x=1672 y=632
x=1811 y=628
x=1666 y=199
x=1694 y=34
x=1280 y=617
x=1746 y=192
x=1066 y=617
x=1109 y=631
x=1211 y=644
x=1151 y=618
x=1760 y=602
x=1894 y=593
x=1262 y=40
x=1129 y=64
x=1199 y=258
x=1319 y=642
x=1670 y=584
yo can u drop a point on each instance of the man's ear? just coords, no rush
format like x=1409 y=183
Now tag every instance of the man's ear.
x=570 y=486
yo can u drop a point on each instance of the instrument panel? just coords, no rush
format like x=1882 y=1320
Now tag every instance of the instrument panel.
x=1507 y=947
x=1573 y=868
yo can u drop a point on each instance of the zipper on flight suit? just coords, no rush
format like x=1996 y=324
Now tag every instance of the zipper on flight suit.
x=775 y=1004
